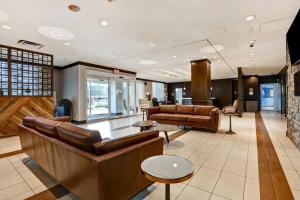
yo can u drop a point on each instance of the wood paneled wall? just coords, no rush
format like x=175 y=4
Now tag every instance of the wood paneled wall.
x=13 y=109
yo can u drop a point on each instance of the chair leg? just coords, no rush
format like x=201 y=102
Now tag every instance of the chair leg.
x=230 y=130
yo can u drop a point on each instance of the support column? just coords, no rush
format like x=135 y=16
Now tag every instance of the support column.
x=201 y=82
x=240 y=92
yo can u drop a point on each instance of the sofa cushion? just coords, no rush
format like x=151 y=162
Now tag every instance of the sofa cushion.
x=177 y=117
x=159 y=116
x=62 y=118
x=168 y=109
x=203 y=110
x=46 y=126
x=77 y=136
x=29 y=121
x=185 y=109
x=199 y=119
x=115 y=144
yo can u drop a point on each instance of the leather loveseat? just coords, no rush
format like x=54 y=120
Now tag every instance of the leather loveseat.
x=86 y=165
x=198 y=116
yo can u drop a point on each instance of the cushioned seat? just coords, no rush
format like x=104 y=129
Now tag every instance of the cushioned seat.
x=160 y=116
x=199 y=119
x=178 y=117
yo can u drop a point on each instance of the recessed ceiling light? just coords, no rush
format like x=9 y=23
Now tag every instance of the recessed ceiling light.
x=104 y=23
x=147 y=62
x=250 y=18
x=204 y=57
x=212 y=49
x=6 y=27
x=218 y=60
x=112 y=56
x=152 y=45
x=252 y=61
x=74 y=8
x=252 y=41
x=3 y=16
x=55 y=33
x=67 y=43
x=251 y=54
x=174 y=56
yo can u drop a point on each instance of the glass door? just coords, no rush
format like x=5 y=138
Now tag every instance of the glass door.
x=119 y=105
x=97 y=98
x=132 y=99
x=178 y=96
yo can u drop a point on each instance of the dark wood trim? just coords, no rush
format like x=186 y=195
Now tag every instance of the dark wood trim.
x=167 y=181
x=142 y=79
x=201 y=60
x=272 y=180
x=12 y=153
x=240 y=92
x=96 y=66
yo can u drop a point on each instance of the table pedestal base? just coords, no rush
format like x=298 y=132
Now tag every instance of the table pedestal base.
x=167 y=191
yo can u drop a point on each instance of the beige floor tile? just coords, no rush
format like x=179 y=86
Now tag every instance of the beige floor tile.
x=235 y=166
x=14 y=190
x=198 y=158
x=293 y=179
x=252 y=170
x=238 y=153
x=34 y=182
x=7 y=181
x=217 y=197
x=159 y=192
x=296 y=194
x=215 y=162
x=192 y=193
x=207 y=148
x=39 y=189
x=205 y=179
x=252 y=191
x=230 y=186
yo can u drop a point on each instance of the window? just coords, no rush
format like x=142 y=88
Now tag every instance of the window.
x=158 y=91
x=25 y=73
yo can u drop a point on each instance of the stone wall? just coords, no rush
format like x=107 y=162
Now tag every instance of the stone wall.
x=293 y=105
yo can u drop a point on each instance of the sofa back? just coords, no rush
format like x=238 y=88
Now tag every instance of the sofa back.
x=203 y=110
x=91 y=176
x=185 y=109
x=168 y=109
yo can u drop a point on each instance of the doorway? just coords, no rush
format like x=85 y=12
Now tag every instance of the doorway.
x=97 y=98
x=270 y=97
x=178 y=96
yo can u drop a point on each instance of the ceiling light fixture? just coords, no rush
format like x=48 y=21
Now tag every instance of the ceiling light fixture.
x=6 y=27
x=147 y=62
x=174 y=56
x=104 y=23
x=152 y=45
x=74 y=8
x=55 y=33
x=251 y=54
x=250 y=18
x=67 y=43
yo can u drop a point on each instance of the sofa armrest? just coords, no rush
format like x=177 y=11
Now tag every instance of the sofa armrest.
x=152 y=111
x=62 y=118
x=215 y=119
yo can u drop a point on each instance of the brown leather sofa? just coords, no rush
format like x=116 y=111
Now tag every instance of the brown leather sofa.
x=86 y=165
x=198 y=116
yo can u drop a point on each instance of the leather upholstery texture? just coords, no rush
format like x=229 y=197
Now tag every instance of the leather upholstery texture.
x=185 y=109
x=115 y=175
x=203 y=110
x=115 y=144
x=47 y=126
x=77 y=136
x=207 y=117
x=168 y=109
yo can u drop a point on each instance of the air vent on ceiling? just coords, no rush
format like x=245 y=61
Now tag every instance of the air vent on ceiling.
x=30 y=44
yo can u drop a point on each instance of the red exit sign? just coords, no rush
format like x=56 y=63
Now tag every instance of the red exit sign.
x=116 y=71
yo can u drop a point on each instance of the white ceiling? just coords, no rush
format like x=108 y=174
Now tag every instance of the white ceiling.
x=176 y=27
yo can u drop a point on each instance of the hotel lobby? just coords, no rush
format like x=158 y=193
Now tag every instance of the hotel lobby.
x=149 y=100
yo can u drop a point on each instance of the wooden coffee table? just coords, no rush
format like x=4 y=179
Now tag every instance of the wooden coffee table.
x=165 y=128
x=144 y=125
x=167 y=169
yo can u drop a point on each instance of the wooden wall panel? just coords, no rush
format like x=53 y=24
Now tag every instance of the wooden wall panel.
x=13 y=109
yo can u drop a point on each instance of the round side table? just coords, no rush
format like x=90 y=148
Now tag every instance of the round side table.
x=167 y=169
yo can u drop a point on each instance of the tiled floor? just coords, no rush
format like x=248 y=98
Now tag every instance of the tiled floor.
x=226 y=166
x=9 y=144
